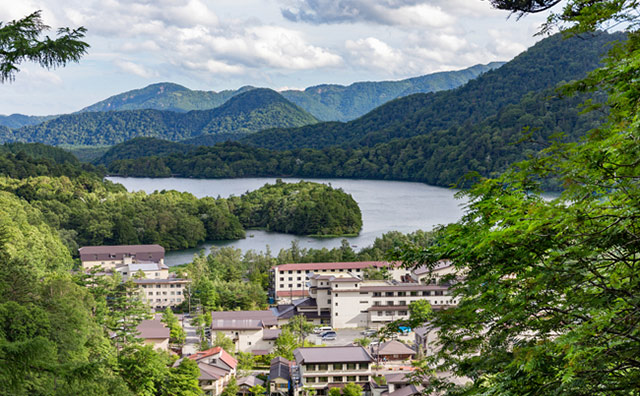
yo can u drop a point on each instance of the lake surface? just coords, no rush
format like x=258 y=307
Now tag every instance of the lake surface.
x=385 y=205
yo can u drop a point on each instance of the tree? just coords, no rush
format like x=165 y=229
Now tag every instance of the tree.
x=299 y=327
x=257 y=390
x=334 y=392
x=285 y=344
x=550 y=303
x=143 y=369
x=224 y=342
x=183 y=380
x=232 y=388
x=126 y=310
x=19 y=41
x=178 y=336
x=352 y=389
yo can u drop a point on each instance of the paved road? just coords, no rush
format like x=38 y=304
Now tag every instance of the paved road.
x=192 y=343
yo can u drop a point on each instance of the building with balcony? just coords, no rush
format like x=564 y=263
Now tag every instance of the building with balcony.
x=329 y=367
x=289 y=281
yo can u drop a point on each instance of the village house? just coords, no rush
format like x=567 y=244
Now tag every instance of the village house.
x=251 y=331
x=392 y=351
x=333 y=366
x=154 y=332
x=217 y=368
x=280 y=383
x=246 y=383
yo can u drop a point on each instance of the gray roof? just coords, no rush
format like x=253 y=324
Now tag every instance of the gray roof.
x=152 y=252
x=394 y=347
x=209 y=372
x=403 y=287
x=271 y=334
x=423 y=269
x=160 y=281
x=153 y=329
x=267 y=316
x=408 y=390
x=397 y=378
x=236 y=324
x=280 y=368
x=250 y=381
x=146 y=266
x=332 y=354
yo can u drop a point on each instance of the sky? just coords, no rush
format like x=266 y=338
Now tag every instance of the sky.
x=281 y=44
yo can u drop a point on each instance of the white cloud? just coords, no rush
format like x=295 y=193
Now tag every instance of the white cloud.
x=134 y=68
x=374 y=53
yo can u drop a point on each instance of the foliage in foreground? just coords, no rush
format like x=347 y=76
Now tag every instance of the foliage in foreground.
x=551 y=298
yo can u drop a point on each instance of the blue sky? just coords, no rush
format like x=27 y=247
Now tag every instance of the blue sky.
x=225 y=44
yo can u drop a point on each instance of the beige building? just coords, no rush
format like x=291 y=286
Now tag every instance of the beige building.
x=155 y=333
x=144 y=265
x=110 y=257
x=290 y=281
x=280 y=377
x=328 y=367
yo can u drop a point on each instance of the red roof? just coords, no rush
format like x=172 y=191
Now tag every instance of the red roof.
x=224 y=356
x=333 y=266
x=293 y=293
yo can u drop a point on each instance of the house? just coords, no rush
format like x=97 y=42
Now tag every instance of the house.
x=289 y=281
x=110 y=257
x=280 y=377
x=246 y=383
x=393 y=350
x=216 y=367
x=155 y=333
x=322 y=368
x=251 y=331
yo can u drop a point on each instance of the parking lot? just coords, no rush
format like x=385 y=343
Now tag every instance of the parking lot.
x=346 y=336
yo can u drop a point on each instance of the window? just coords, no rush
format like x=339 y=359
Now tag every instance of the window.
x=172 y=286
x=365 y=293
x=249 y=343
x=311 y=367
x=426 y=293
x=124 y=273
x=414 y=293
x=329 y=292
x=329 y=301
x=290 y=285
x=351 y=366
x=363 y=366
x=376 y=303
x=178 y=292
x=351 y=378
x=323 y=379
x=310 y=379
x=389 y=302
x=363 y=302
x=389 y=294
x=336 y=303
x=299 y=278
x=299 y=272
x=337 y=379
x=336 y=314
x=281 y=279
x=323 y=367
x=402 y=294
x=390 y=313
x=157 y=293
x=291 y=272
x=337 y=366
x=364 y=378
x=291 y=278
x=403 y=313
x=336 y=294
x=379 y=313
x=377 y=294
x=402 y=302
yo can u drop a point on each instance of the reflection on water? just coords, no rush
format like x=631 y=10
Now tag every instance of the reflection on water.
x=385 y=205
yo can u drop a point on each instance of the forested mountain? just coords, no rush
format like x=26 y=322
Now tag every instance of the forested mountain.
x=442 y=158
x=331 y=102
x=546 y=64
x=20 y=120
x=165 y=96
x=248 y=112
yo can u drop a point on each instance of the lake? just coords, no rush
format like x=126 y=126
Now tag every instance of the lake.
x=385 y=205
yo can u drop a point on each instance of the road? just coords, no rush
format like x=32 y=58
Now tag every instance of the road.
x=193 y=341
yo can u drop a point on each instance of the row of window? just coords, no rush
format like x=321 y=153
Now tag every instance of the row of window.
x=337 y=366
x=171 y=286
x=411 y=293
x=165 y=293
x=324 y=270
x=172 y=300
x=338 y=378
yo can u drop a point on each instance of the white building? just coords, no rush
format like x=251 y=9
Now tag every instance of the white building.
x=289 y=281
x=251 y=331
x=110 y=257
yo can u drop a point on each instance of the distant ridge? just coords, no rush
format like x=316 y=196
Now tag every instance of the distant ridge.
x=248 y=112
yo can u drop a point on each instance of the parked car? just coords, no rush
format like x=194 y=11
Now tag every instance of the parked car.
x=369 y=332
x=322 y=329
x=328 y=335
x=404 y=329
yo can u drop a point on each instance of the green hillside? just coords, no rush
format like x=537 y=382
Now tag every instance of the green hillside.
x=543 y=66
x=330 y=102
x=20 y=120
x=248 y=112
x=165 y=96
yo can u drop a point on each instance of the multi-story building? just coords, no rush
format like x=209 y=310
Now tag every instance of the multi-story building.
x=110 y=257
x=216 y=367
x=329 y=367
x=251 y=331
x=289 y=281
x=144 y=265
x=353 y=302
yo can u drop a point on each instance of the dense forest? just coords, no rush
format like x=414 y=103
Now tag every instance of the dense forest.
x=443 y=158
x=551 y=61
x=251 y=111
x=84 y=209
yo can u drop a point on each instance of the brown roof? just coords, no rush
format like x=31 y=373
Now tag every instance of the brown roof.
x=153 y=329
x=160 y=281
x=250 y=381
x=224 y=356
x=209 y=372
x=91 y=253
x=403 y=287
x=423 y=269
x=293 y=293
x=397 y=378
x=394 y=347
x=271 y=334
x=388 y=308
x=332 y=266
x=337 y=354
x=409 y=390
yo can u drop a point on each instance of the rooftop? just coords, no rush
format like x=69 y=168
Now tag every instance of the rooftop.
x=331 y=354
x=333 y=266
x=237 y=324
x=120 y=249
x=146 y=266
x=271 y=334
x=423 y=269
x=394 y=347
x=250 y=381
x=280 y=368
x=223 y=355
x=267 y=316
x=153 y=329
